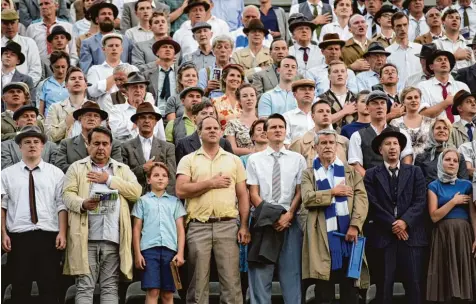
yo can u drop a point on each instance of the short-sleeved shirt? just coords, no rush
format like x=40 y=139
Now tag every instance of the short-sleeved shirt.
x=53 y=92
x=158 y=215
x=217 y=202
x=446 y=192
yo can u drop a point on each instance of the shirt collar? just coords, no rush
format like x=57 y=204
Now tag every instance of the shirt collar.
x=140 y=28
x=152 y=194
x=387 y=166
x=437 y=82
x=105 y=64
x=202 y=152
x=279 y=89
x=10 y=73
x=445 y=37
x=413 y=18
x=56 y=21
x=464 y=122
x=270 y=151
x=41 y=164
x=108 y=164
x=143 y=140
x=318 y=4
x=375 y=129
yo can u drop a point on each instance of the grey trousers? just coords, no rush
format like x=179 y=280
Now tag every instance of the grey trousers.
x=103 y=257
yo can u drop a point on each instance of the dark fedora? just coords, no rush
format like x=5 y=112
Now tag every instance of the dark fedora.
x=458 y=99
x=191 y=89
x=383 y=10
x=90 y=106
x=193 y=3
x=299 y=19
x=15 y=48
x=426 y=50
x=331 y=39
x=377 y=141
x=23 y=109
x=431 y=58
x=145 y=108
x=376 y=48
x=100 y=4
x=255 y=25
x=135 y=78
x=167 y=40
x=30 y=131
x=58 y=30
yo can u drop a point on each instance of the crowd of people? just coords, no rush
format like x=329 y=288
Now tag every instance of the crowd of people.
x=138 y=137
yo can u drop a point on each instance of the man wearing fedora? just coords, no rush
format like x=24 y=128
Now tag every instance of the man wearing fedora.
x=59 y=39
x=73 y=149
x=395 y=225
x=376 y=56
x=34 y=220
x=92 y=51
x=122 y=116
x=355 y=47
x=383 y=19
x=129 y=18
x=415 y=79
x=464 y=105
x=433 y=19
x=438 y=91
x=12 y=57
x=468 y=75
x=11 y=154
x=203 y=56
x=250 y=13
x=141 y=152
x=32 y=64
x=255 y=57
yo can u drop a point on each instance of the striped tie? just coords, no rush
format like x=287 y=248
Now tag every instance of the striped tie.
x=276 y=185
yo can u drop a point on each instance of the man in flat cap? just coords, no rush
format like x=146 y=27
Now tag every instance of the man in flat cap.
x=203 y=57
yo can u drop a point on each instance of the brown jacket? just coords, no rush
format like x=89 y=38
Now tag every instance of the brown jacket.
x=316 y=259
x=382 y=40
x=249 y=62
x=424 y=39
x=352 y=51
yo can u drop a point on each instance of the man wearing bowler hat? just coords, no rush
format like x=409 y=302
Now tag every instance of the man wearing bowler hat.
x=468 y=75
x=415 y=79
x=464 y=105
x=395 y=225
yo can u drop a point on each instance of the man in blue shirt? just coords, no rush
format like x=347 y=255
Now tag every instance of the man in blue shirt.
x=377 y=58
x=230 y=11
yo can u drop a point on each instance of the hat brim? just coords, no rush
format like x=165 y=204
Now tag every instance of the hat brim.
x=24 y=109
x=81 y=111
x=156 y=46
x=20 y=136
x=459 y=101
x=191 y=89
x=187 y=9
x=263 y=30
x=377 y=52
x=402 y=140
x=294 y=88
x=135 y=116
x=383 y=11
x=326 y=43
x=21 y=57
x=201 y=27
x=94 y=10
x=52 y=35
x=146 y=82
x=10 y=86
x=294 y=25
x=433 y=56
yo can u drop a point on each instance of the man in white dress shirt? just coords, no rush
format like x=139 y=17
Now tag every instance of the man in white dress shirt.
x=467 y=12
x=372 y=6
x=34 y=220
x=453 y=42
x=417 y=20
x=141 y=32
x=299 y=120
x=415 y=79
x=437 y=92
x=32 y=64
x=343 y=11
x=403 y=50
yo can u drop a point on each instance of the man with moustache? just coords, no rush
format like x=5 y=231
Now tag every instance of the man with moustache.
x=433 y=19
x=355 y=48
x=372 y=6
x=376 y=56
x=104 y=14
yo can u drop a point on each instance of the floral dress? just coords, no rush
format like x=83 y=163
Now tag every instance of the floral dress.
x=240 y=131
x=225 y=111
x=419 y=136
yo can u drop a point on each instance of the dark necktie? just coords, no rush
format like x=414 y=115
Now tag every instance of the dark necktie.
x=469 y=131
x=374 y=26
x=305 y=55
x=315 y=13
x=465 y=17
x=394 y=188
x=49 y=47
x=32 y=196
x=449 y=114
x=165 y=94
x=417 y=29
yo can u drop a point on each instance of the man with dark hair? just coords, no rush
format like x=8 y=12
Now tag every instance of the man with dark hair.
x=384 y=19
x=141 y=32
x=98 y=190
x=417 y=20
x=363 y=116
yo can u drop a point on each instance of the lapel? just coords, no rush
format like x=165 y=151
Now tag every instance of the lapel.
x=461 y=129
x=195 y=141
x=35 y=3
x=271 y=75
x=304 y=9
x=382 y=177
x=428 y=38
x=79 y=146
x=155 y=149
x=138 y=152
x=280 y=19
x=9 y=120
x=17 y=153
x=403 y=176
x=154 y=79
x=473 y=70
x=17 y=77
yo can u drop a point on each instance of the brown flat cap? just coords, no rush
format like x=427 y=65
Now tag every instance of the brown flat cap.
x=303 y=83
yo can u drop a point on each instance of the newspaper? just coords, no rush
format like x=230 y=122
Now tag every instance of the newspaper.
x=107 y=201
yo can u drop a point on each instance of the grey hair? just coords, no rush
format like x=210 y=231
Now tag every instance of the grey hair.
x=248 y=7
x=223 y=38
x=427 y=13
x=324 y=132
x=125 y=67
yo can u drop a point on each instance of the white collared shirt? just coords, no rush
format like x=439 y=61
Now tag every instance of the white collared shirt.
x=446 y=44
x=97 y=76
x=370 y=19
x=139 y=34
x=48 y=194
x=432 y=93
x=162 y=103
x=405 y=60
x=415 y=79
x=259 y=171
x=315 y=57
x=320 y=75
x=7 y=77
x=387 y=166
x=334 y=27
x=297 y=123
x=471 y=11
x=464 y=123
x=123 y=128
x=32 y=65
x=355 y=150
x=146 y=146
x=424 y=28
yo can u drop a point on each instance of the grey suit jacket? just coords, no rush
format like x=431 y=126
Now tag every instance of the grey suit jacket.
x=129 y=18
x=282 y=23
x=74 y=149
x=11 y=153
x=265 y=80
x=163 y=151
x=19 y=77
x=30 y=11
x=304 y=9
x=142 y=55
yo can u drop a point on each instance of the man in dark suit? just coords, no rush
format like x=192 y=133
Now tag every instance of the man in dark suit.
x=30 y=11
x=468 y=75
x=395 y=225
x=142 y=152
x=73 y=149
x=129 y=18
x=192 y=142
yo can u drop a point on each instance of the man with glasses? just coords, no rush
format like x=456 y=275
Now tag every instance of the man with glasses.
x=384 y=19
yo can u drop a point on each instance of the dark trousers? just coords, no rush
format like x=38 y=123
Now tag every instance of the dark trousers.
x=349 y=294
x=398 y=260
x=34 y=258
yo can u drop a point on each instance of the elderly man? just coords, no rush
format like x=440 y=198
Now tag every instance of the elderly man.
x=433 y=19
x=141 y=32
x=30 y=11
x=250 y=13
x=73 y=149
x=376 y=56
x=32 y=64
x=97 y=191
x=395 y=226
x=203 y=57
x=141 y=152
x=14 y=96
x=417 y=20
x=214 y=227
x=334 y=195
x=123 y=128
x=355 y=48
x=11 y=154
x=34 y=220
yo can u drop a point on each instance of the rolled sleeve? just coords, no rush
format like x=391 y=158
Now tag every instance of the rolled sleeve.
x=184 y=166
x=179 y=210
x=240 y=172
x=138 y=210
x=355 y=152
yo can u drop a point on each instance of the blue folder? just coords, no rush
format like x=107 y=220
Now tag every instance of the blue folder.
x=356 y=257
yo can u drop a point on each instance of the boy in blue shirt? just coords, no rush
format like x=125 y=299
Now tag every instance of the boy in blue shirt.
x=158 y=236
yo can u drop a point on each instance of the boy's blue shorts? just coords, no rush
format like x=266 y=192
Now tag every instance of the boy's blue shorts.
x=157 y=273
